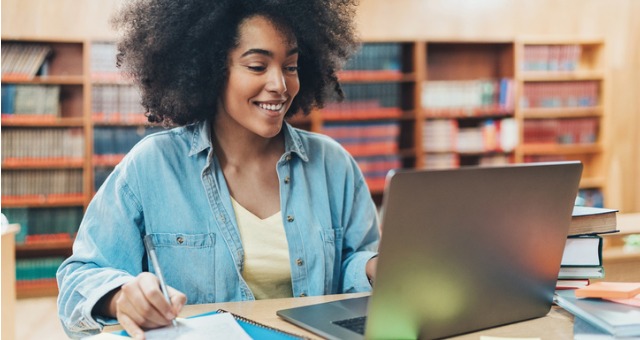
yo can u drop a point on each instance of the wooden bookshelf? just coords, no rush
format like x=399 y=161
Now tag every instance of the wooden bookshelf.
x=416 y=66
x=563 y=82
x=467 y=93
x=64 y=70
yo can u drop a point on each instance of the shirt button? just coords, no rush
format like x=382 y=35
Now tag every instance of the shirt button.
x=289 y=218
x=303 y=294
x=287 y=180
x=287 y=158
x=180 y=239
x=299 y=262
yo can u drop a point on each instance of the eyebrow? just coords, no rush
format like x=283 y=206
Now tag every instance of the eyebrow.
x=267 y=53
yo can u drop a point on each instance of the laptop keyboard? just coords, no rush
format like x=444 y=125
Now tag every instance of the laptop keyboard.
x=354 y=325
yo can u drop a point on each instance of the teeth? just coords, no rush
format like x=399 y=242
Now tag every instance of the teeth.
x=271 y=107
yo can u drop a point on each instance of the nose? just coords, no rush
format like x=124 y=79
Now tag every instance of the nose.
x=276 y=82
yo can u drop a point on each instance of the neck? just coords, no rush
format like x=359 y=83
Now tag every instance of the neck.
x=237 y=146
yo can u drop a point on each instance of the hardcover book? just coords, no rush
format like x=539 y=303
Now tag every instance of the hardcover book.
x=590 y=220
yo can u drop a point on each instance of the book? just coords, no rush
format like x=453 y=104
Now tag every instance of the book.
x=615 y=318
x=571 y=284
x=610 y=290
x=595 y=272
x=582 y=258
x=582 y=251
x=591 y=220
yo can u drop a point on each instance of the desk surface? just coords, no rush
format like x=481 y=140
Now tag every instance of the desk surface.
x=558 y=324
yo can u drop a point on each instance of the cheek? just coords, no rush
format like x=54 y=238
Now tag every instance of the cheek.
x=293 y=86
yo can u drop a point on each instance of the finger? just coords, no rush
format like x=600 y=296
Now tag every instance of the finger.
x=131 y=327
x=138 y=305
x=178 y=300
x=150 y=287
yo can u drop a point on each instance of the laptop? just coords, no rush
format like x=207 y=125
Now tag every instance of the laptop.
x=461 y=250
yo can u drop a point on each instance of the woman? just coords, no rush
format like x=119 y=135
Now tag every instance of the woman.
x=239 y=204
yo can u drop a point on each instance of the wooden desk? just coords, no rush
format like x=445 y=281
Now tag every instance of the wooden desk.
x=558 y=324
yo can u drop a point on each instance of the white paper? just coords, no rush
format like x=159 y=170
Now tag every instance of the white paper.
x=213 y=326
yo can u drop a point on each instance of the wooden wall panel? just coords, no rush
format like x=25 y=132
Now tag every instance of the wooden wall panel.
x=614 y=20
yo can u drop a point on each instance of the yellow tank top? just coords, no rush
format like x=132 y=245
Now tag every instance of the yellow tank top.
x=266 y=267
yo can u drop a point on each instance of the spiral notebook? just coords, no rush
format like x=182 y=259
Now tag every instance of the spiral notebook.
x=253 y=329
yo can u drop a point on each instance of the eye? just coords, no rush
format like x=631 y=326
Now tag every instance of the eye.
x=256 y=68
x=291 y=69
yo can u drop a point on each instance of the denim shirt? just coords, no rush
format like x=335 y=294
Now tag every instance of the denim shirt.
x=171 y=186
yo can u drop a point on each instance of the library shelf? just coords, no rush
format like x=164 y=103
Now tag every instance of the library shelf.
x=52 y=246
x=108 y=161
x=375 y=77
x=27 y=164
x=45 y=80
x=563 y=112
x=467 y=113
x=540 y=76
x=11 y=120
x=58 y=80
x=44 y=288
x=140 y=121
x=42 y=201
x=561 y=86
x=561 y=149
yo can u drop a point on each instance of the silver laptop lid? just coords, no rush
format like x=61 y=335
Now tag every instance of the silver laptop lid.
x=470 y=248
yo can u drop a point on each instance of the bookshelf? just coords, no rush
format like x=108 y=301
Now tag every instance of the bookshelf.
x=467 y=104
x=561 y=107
x=45 y=154
x=117 y=117
x=409 y=104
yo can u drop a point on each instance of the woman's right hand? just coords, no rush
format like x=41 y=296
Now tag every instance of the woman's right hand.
x=140 y=304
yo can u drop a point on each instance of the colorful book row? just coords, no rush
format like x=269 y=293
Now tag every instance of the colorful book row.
x=450 y=160
x=115 y=99
x=561 y=131
x=446 y=135
x=375 y=169
x=560 y=94
x=118 y=140
x=44 y=221
x=35 y=184
x=23 y=146
x=37 y=268
x=551 y=57
x=365 y=138
x=30 y=99
x=468 y=93
x=376 y=56
x=103 y=62
x=22 y=61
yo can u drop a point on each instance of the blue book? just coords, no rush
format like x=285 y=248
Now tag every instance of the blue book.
x=8 y=98
x=617 y=319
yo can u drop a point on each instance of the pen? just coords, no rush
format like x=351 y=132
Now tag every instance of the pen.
x=151 y=250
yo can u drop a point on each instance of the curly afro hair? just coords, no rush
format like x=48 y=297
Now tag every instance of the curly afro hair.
x=177 y=51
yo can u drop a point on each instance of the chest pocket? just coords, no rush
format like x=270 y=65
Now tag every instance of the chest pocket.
x=188 y=263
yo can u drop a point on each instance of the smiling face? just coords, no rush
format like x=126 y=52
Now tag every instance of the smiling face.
x=262 y=80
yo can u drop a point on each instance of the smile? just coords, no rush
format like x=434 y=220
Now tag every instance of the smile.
x=271 y=107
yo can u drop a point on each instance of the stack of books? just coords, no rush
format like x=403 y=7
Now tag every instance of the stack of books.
x=582 y=257
x=604 y=310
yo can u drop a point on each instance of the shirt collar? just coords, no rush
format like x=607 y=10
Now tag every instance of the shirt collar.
x=201 y=140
